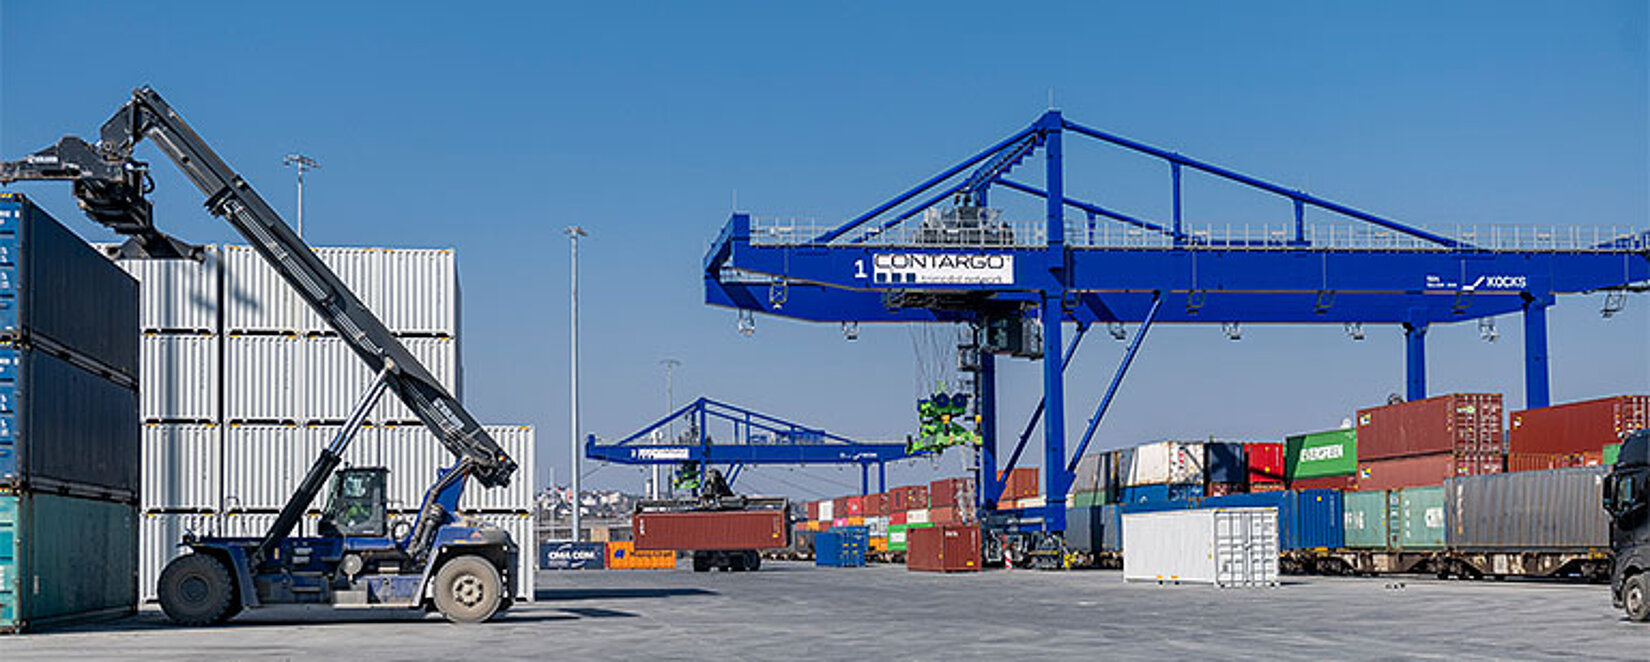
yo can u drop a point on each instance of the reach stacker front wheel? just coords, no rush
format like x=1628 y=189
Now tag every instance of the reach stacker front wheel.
x=1635 y=596
x=468 y=590
x=195 y=589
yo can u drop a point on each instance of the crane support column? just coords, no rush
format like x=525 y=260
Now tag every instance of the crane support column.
x=864 y=478
x=882 y=477
x=987 y=487
x=1056 y=480
x=1536 y=386
x=1415 y=351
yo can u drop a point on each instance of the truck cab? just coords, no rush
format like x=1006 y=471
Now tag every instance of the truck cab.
x=360 y=559
x=1627 y=499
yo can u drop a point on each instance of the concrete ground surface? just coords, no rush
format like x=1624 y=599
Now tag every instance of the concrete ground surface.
x=794 y=611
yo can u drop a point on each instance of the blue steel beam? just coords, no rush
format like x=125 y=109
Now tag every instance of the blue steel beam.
x=1415 y=361
x=1269 y=187
x=918 y=189
x=1093 y=209
x=1056 y=480
x=716 y=453
x=1536 y=388
x=1116 y=381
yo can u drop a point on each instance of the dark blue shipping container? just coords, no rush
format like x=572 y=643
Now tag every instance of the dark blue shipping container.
x=566 y=555
x=1307 y=519
x=841 y=547
x=59 y=293
x=63 y=429
x=1224 y=462
x=1154 y=493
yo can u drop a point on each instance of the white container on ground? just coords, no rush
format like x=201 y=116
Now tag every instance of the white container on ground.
x=1161 y=463
x=178 y=378
x=158 y=538
x=335 y=378
x=182 y=467
x=264 y=379
x=177 y=296
x=1227 y=547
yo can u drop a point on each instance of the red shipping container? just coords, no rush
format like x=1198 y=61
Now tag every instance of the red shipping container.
x=910 y=497
x=943 y=549
x=1425 y=470
x=718 y=530
x=856 y=506
x=1543 y=461
x=1020 y=484
x=1456 y=423
x=950 y=492
x=1223 y=489
x=1267 y=487
x=839 y=507
x=896 y=517
x=1347 y=482
x=944 y=515
x=1265 y=462
x=1577 y=427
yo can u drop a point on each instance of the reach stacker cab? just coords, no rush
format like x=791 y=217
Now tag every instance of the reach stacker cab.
x=1626 y=500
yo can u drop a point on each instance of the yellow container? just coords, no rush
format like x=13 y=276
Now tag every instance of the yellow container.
x=879 y=543
x=856 y=520
x=625 y=556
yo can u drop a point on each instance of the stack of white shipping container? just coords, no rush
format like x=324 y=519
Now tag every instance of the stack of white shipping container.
x=243 y=385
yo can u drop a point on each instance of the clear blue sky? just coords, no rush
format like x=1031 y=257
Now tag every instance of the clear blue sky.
x=488 y=129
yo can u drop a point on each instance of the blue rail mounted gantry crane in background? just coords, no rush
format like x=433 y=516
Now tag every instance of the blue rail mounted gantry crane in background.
x=744 y=438
x=938 y=253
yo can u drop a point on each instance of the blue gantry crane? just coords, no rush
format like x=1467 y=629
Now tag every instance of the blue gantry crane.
x=939 y=252
x=743 y=437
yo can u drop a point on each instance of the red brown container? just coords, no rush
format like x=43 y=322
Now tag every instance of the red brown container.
x=945 y=515
x=1271 y=487
x=856 y=506
x=839 y=507
x=910 y=497
x=950 y=492
x=874 y=504
x=1456 y=423
x=1425 y=470
x=1265 y=462
x=1347 y=482
x=1020 y=484
x=1223 y=489
x=720 y=530
x=943 y=549
x=1544 y=461
x=813 y=511
x=1577 y=427
x=896 y=517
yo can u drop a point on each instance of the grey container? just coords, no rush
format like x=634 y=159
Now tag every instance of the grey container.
x=64 y=429
x=1559 y=509
x=60 y=293
x=1111 y=527
x=1085 y=528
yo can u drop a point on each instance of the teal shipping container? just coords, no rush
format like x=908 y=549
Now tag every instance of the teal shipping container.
x=65 y=559
x=1416 y=518
x=1366 y=519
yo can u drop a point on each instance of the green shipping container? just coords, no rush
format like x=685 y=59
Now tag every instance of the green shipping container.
x=1087 y=499
x=1320 y=454
x=65 y=559
x=1611 y=452
x=1366 y=519
x=896 y=535
x=1417 y=518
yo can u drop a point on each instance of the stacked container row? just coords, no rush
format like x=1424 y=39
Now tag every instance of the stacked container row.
x=69 y=437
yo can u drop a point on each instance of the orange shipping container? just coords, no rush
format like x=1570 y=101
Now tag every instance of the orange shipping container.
x=1020 y=484
x=624 y=556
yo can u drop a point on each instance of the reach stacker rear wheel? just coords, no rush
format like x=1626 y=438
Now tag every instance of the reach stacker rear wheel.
x=468 y=590
x=196 y=589
x=1635 y=596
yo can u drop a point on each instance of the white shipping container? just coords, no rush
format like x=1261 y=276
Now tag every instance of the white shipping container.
x=263 y=464
x=1226 y=547
x=255 y=298
x=178 y=378
x=182 y=467
x=335 y=378
x=825 y=514
x=916 y=516
x=1161 y=463
x=413 y=455
x=158 y=538
x=521 y=531
x=264 y=378
x=177 y=296
x=876 y=526
x=256 y=525
x=412 y=291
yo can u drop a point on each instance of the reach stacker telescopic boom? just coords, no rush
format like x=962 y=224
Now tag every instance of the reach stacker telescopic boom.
x=440 y=561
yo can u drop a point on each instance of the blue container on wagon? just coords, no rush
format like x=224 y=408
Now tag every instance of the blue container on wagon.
x=1307 y=519
x=62 y=295
x=841 y=547
x=1145 y=494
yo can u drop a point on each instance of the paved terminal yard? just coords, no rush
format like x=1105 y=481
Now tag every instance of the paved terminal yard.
x=796 y=611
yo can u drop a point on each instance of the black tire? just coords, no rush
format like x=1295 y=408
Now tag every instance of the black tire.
x=735 y=561
x=1635 y=597
x=753 y=561
x=701 y=562
x=468 y=589
x=196 y=589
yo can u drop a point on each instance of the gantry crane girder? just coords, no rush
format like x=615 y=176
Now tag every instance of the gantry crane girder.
x=1115 y=267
